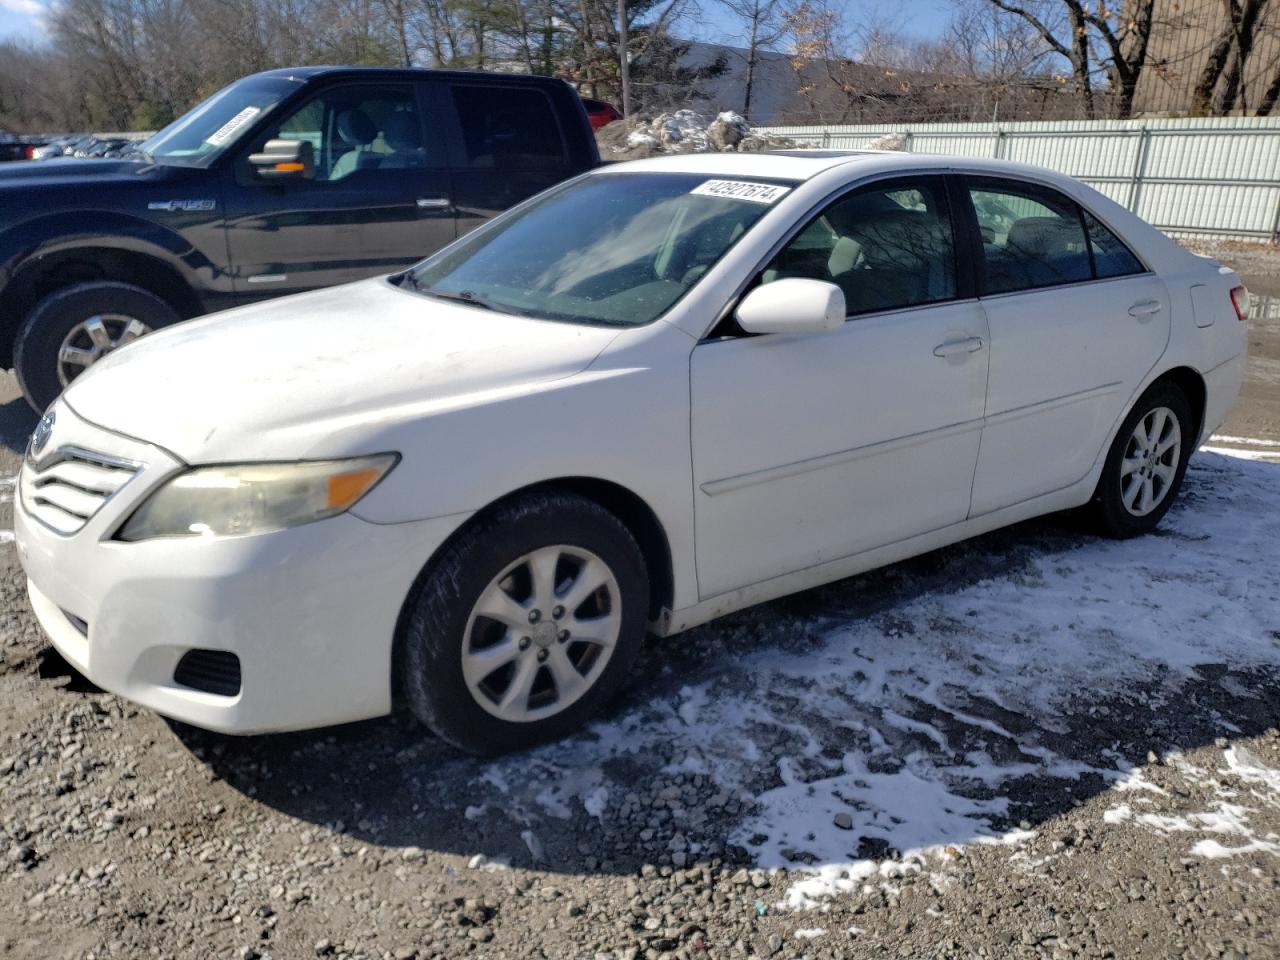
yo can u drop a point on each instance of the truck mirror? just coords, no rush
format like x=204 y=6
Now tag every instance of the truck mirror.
x=285 y=160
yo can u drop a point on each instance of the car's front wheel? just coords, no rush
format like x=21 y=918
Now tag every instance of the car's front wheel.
x=528 y=622
x=1146 y=463
x=74 y=328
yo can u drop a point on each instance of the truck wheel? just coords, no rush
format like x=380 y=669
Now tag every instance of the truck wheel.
x=70 y=330
x=527 y=624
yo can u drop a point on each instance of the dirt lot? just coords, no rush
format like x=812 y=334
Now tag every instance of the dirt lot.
x=1036 y=744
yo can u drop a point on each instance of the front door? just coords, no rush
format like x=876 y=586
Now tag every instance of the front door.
x=379 y=201
x=1076 y=324
x=811 y=448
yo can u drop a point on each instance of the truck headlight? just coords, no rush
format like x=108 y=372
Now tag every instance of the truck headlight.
x=236 y=500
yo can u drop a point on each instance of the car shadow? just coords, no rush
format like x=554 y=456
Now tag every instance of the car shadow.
x=994 y=676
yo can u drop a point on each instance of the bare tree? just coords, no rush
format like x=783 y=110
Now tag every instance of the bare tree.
x=624 y=57
x=1074 y=47
x=1126 y=36
x=762 y=28
x=1227 y=58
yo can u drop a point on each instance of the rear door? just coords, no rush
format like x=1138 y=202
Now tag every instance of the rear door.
x=509 y=143
x=1076 y=323
x=379 y=201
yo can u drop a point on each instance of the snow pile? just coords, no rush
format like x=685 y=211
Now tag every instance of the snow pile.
x=889 y=141
x=869 y=735
x=684 y=131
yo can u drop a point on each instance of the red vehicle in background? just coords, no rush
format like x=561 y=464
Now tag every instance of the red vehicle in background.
x=600 y=112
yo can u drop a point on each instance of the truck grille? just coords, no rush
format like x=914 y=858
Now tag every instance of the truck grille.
x=66 y=489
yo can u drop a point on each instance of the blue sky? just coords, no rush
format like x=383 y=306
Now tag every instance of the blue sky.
x=19 y=19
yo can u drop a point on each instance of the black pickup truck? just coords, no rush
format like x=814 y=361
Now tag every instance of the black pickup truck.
x=282 y=182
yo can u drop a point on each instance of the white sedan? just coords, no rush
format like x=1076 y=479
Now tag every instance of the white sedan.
x=648 y=397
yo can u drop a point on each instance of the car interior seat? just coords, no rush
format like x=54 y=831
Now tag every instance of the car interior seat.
x=357 y=132
x=894 y=258
x=1039 y=251
x=403 y=136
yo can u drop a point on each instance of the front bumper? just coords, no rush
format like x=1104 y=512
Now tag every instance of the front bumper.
x=311 y=612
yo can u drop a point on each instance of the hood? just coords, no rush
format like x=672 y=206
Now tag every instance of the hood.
x=26 y=174
x=320 y=374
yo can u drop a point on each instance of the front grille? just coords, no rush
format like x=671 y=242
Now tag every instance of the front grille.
x=213 y=671
x=68 y=487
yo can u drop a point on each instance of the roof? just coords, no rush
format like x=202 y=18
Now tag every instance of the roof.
x=779 y=165
x=382 y=73
x=800 y=165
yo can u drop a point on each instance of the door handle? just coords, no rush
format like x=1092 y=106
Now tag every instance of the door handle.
x=955 y=347
x=1145 y=308
x=434 y=203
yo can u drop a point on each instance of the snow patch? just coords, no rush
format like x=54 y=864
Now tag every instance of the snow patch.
x=596 y=802
x=866 y=745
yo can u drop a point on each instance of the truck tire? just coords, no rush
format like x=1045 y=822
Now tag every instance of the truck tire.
x=527 y=624
x=71 y=329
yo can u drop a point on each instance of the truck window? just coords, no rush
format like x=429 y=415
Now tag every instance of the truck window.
x=506 y=128
x=359 y=128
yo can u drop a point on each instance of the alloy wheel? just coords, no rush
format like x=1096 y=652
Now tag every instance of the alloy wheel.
x=92 y=339
x=1150 y=462
x=541 y=633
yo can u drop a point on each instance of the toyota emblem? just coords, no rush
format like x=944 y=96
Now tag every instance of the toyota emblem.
x=40 y=436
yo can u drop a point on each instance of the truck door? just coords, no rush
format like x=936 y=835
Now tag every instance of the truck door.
x=379 y=201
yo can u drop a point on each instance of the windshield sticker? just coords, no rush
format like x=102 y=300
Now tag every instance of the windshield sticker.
x=233 y=126
x=741 y=190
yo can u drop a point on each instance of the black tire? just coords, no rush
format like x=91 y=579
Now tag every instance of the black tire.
x=35 y=350
x=431 y=651
x=1108 y=510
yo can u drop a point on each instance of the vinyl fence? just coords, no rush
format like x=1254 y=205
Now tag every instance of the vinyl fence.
x=1215 y=177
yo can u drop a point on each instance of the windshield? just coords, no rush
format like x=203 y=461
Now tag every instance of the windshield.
x=206 y=130
x=615 y=249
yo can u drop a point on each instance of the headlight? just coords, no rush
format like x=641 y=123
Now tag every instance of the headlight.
x=254 y=498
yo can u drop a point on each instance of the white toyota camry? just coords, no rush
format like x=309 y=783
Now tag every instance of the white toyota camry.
x=648 y=397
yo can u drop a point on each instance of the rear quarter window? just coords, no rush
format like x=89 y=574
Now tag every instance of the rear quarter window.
x=1111 y=258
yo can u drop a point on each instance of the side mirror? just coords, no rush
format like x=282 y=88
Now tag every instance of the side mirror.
x=285 y=160
x=793 y=305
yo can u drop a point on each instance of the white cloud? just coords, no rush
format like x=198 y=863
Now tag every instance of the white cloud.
x=27 y=8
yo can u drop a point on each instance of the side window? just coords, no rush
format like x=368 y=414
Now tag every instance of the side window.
x=508 y=128
x=886 y=246
x=1031 y=236
x=359 y=128
x=306 y=124
x=1111 y=258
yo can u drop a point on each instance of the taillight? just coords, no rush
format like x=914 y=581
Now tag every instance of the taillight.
x=1240 y=301
x=29 y=153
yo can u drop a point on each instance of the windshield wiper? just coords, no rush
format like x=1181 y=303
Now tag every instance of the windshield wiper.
x=463 y=296
x=409 y=280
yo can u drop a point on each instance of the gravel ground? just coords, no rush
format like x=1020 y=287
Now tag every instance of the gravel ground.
x=1031 y=745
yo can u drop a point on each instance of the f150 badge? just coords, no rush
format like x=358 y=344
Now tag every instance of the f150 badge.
x=182 y=206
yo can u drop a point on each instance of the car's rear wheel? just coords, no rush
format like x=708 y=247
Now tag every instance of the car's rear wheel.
x=527 y=623
x=1146 y=463
x=74 y=328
